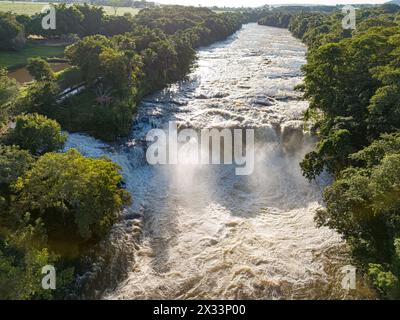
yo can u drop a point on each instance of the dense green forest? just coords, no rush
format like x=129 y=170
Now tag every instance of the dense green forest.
x=54 y=206
x=352 y=83
x=144 y=53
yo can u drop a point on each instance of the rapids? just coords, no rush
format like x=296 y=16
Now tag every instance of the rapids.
x=201 y=231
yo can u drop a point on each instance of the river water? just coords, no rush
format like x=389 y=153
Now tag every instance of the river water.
x=200 y=231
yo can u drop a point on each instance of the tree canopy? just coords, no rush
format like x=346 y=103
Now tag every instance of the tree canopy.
x=36 y=133
x=11 y=32
x=74 y=193
x=40 y=69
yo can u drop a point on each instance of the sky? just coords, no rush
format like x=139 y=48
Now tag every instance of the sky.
x=256 y=3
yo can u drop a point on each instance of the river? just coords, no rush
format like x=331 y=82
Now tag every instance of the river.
x=203 y=232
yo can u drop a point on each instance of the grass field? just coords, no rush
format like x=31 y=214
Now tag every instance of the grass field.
x=30 y=8
x=121 y=11
x=18 y=58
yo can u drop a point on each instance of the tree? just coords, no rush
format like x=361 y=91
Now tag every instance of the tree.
x=41 y=97
x=23 y=254
x=20 y=278
x=363 y=205
x=36 y=133
x=101 y=60
x=8 y=91
x=117 y=25
x=85 y=54
x=68 y=18
x=115 y=118
x=345 y=84
x=93 y=19
x=119 y=69
x=384 y=107
x=13 y=163
x=40 y=69
x=73 y=195
x=12 y=36
x=8 y=87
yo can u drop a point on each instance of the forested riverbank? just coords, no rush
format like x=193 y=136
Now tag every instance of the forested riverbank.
x=56 y=206
x=352 y=84
x=118 y=60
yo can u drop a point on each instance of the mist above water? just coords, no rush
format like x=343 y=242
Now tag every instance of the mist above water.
x=204 y=232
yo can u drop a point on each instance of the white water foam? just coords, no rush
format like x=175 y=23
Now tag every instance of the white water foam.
x=211 y=234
